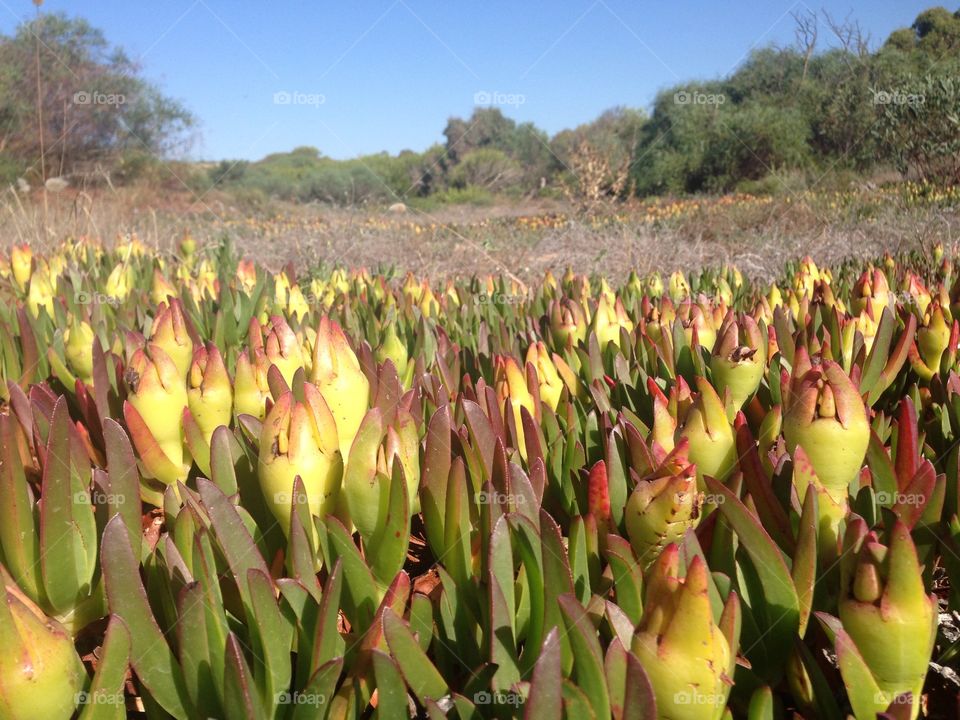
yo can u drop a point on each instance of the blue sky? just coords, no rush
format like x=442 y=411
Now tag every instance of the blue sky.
x=361 y=76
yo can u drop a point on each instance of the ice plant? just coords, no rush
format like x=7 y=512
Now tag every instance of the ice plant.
x=40 y=294
x=392 y=348
x=513 y=393
x=336 y=373
x=663 y=506
x=738 y=360
x=21 y=264
x=608 y=319
x=209 y=393
x=710 y=434
x=283 y=348
x=871 y=292
x=681 y=647
x=824 y=414
x=933 y=337
x=156 y=398
x=250 y=386
x=41 y=674
x=169 y=332
x=889 y=617
x=78 y=349
x=299 y=439
x=568 y=324
x=551 y=385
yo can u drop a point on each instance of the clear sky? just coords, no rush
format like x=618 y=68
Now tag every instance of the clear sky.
x=360 y=76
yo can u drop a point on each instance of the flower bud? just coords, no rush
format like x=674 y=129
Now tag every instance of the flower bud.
x=886 y=611
x=655 y=285
x=40 y=672
x=871 y=291
x=250 y=387
x=696 y=318
x=247 y=275
x=300 y=438
x=336 y=373
x=21 y=264
x=392 y=348
x=711 y=437
x=158 y=396
x=282 y=348
x=209 y=393
x=568 y=324
x=403 y=446
x=511 y=384
x=663 y=506
x=169 y=332
x=40 y=294
x=160 y=289
x=825 y=415
x=683 y=651
x=297 y=306
x=188 y=246
x=677 y=287
x=913 y=286
x=551 y=385
x=933 y=336
x=78 y=349
x=739 y=358
x=118 y=283
x=607 y=321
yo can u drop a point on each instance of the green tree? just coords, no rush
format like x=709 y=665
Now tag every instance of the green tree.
x=95 y=105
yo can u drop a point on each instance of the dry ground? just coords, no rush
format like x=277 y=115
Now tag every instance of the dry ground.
x=523 y=239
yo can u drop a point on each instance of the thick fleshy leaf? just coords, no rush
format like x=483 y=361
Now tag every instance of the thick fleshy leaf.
x=105 y=700
x=150 y=655
x=778 y=610
x=588 y=658
x=418 y=670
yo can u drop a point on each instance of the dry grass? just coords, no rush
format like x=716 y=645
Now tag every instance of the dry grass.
x=523 y=240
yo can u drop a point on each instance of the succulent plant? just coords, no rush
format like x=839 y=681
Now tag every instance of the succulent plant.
x=396 y=498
